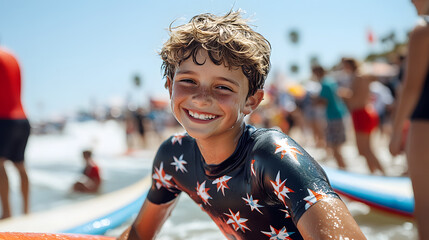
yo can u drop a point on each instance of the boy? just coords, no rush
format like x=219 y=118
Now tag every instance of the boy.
x=254 y=183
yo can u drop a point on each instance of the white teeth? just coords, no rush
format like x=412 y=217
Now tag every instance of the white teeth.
x=201 y=116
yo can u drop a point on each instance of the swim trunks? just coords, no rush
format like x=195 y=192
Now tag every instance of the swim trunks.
x=335 y=132
x=259 y=192
x=14 y=135
x=364 y=119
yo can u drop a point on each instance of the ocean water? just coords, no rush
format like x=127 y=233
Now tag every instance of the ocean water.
x=54 y=162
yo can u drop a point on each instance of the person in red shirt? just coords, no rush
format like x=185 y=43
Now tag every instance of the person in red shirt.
x=90 y=181
x=14 y=130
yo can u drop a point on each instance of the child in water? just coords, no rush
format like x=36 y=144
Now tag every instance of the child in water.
x=254 y=183
x=90 y=181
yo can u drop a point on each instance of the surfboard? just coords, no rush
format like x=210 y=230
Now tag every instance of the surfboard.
x=49 y=236
x=389 y=194
x=94 y=216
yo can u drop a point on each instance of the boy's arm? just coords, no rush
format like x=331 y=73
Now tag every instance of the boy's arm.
x=321 y=219
x=149 y=221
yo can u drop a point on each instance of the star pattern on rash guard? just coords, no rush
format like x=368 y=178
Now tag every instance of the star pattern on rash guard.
x=280 y=189
x=179 y=164
x=286 y=211
x=221 y=183
x=236 y=221
x=283 y=147
x=162 y=179
x=252 y=203
x=202 y=191
x=281 y=234
x=252 y=167
x=313 y=198
x=177 y=138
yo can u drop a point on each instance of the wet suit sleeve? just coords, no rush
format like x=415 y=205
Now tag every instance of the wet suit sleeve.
x=163 y=188
x=289 y=175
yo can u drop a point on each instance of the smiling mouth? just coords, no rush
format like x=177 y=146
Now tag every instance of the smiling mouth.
x=201 y=116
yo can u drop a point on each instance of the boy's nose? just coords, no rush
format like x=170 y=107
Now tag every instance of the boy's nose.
x=202 y=96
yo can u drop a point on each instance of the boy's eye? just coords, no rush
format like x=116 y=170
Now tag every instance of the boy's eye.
x=186 y=80
x=224 y=88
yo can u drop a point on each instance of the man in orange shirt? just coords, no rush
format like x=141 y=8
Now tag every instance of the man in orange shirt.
x=14 y=130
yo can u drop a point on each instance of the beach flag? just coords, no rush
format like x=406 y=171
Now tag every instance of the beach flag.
x=370 y=36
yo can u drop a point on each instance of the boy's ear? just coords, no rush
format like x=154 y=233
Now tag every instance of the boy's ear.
x=169 y=85
x=253 y=101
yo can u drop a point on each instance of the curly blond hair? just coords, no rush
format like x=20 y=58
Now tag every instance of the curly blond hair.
x=228 y=40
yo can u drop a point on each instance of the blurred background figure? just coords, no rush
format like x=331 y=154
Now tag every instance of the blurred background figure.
x=364 y=116
x=314 y=113
x=414 y=103
x=140 y=118
x=335 y=112
x=14 y=130
x=90 y=180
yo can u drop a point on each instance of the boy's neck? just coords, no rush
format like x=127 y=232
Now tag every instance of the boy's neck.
x=217 y=150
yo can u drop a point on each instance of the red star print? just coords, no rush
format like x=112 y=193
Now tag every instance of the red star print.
x=284 y=148
x=161 y=178
x=202 y=191
x=177 y=138
x=280 y=189
x=236 y=221
x=252 y=167
x=222 y=183
x=313 y=198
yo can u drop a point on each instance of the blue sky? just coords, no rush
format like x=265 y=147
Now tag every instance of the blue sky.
x=74 y=53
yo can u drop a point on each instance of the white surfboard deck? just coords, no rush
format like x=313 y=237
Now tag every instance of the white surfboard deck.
x=72 y=215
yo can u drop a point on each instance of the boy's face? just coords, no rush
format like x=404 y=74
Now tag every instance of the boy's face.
x=210 y=100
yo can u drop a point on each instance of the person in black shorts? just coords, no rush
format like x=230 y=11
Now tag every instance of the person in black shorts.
x=413 y=109
x=254 y=183
x=14 y=130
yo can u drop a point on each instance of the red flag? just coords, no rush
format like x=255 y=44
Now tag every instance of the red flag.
x=370 y=36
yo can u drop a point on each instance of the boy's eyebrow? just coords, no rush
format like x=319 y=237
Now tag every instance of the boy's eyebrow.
x=229 y=80
x=185 y=72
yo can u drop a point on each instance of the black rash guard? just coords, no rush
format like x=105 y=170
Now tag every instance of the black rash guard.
x=259 y=192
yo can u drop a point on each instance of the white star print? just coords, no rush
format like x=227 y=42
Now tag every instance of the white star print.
x=275 y=234
x=252 y=203
x=179 y=164
x=284 y=148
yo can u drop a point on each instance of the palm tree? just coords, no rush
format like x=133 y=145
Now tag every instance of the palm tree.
x=294 y=39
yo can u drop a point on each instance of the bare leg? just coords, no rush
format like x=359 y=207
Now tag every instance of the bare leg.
x=363 y=141
x=418 y=164
x=4 y=190
x=25 y=186
x=336 y=150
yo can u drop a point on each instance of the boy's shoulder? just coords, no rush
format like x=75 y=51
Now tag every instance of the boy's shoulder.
x=264 y=137
x=272 y=146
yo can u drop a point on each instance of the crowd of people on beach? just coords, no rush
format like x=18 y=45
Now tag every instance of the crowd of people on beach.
x=333 y=106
